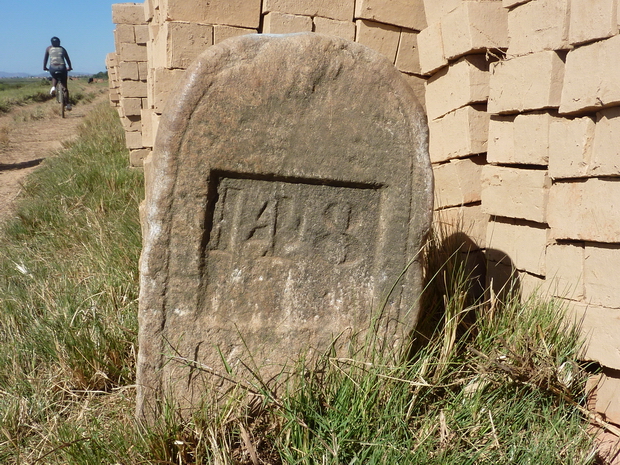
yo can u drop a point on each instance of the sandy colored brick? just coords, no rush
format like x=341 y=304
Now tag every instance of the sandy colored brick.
x=132 y=52
x=531 y=136
x=128 y=70
x=334 y=27
x=532 y=285
x=130 y=123
x=342 y=9
x=418 y=84
x=463 y=83
x=585 y=210
x=124 y=34
x=501 y=140
x=515 y=193
x=592 y=77
x=405 y=13
x=380 y=37
x=592 y=20
x=458 y=182
x=474 y=27
x=142 y=34
x=137 y=156
x=524 y=243
x=460 y=133
x=520 y=140
x=600 y=328
x=242 y=13
x=564 y=264
x=164 y=81
x=601 y=272
x=607 y=399
x=179 y=43
x=570 y=147
x=133 y=89
x=128 y=13
x=466 y=219
x=408 y=55
x=221 y=33
x=146 y=121
x=115 y=97
x=131 y=106
x=605 y=160
x=142 y=70
x=530 y=82
x=538 y=25
x=149 y=10
x=133 y=140
x=437 y=9
x=431 y=52
x=282 y=23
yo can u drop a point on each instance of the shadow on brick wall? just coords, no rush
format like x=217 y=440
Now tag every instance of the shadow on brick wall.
x=459 y=281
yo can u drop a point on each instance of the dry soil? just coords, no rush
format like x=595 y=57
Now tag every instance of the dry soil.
x=29 y=135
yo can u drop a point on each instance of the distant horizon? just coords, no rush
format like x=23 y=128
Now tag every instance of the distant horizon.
x=42 y=74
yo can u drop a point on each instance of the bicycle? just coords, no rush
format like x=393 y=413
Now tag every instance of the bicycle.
x=61 y=97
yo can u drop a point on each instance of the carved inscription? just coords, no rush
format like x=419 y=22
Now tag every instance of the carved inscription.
x=258 y=218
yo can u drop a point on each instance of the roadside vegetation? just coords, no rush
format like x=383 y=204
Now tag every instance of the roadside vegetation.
x=491 y=381
x=17 y=92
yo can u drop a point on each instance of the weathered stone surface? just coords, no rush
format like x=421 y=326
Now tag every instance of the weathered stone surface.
x=290 y=184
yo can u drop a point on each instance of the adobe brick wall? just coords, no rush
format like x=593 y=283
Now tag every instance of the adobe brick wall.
x=523 y=105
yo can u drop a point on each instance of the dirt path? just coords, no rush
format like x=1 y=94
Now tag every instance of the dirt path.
x=30 y=134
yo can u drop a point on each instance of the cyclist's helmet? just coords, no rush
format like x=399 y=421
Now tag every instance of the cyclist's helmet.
x=55 y=42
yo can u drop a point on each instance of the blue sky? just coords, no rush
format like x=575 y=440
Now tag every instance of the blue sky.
x=84 y=27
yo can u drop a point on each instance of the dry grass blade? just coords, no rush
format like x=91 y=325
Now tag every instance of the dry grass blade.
x=247 y=441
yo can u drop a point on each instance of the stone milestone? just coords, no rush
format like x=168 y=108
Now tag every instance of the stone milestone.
x=288 y=196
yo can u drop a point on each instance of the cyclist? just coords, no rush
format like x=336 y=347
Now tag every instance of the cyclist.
x=59 y=68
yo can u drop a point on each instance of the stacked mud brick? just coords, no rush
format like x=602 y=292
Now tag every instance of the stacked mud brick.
x=111 y=63
x=131 y=38
x=455 y=50
x=550 y=181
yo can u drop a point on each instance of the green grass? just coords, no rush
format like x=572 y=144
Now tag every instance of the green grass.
x=488 y=381
x=23 y=91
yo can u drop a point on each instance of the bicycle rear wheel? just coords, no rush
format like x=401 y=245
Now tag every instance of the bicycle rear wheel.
x=60 y=96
